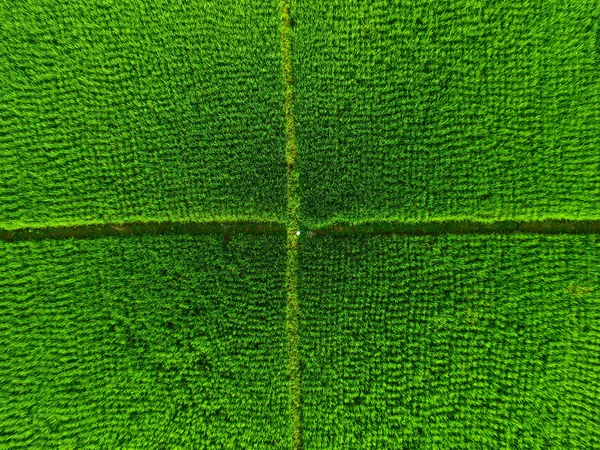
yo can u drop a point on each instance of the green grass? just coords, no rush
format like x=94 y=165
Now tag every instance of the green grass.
x=450 y=342
x=114 y=111
x=144 y=342
x=447 y=110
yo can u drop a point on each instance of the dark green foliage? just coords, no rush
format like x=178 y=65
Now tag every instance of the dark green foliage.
x=144 y=342
x=466 y=109
x=450 y=342
x=140 y=110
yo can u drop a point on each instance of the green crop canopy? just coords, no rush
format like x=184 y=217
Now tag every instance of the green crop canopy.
x=300 y=224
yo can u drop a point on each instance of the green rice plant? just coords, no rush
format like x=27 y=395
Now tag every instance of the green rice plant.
x=115 y=111
x=447 y=110
x=450 y=342
x=144 y=342
x=299 y=224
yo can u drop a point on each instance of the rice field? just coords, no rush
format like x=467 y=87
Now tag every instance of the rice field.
x=299 y=224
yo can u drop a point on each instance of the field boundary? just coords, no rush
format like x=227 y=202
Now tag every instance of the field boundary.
x=377 y=228
x=292 y=226
x=374 y=228
x=93 y=231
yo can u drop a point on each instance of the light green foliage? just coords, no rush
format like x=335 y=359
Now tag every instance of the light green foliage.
x=450 y=342
x=140 y=110
x=144 y=342
x=465 y=109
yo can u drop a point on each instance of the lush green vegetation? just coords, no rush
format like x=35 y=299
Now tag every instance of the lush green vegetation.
x=299 y=224
x=463 y=109
x=114 y=111
x=144 y=342
x=450 y=342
